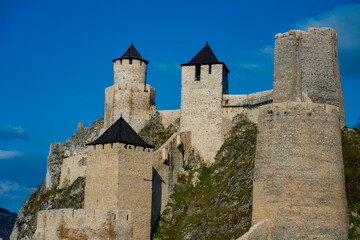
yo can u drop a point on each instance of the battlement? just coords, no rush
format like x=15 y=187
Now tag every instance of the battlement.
x=249 y=100
x=84 y=224
x=296 y=108
x=311 y=31
x=116 y=147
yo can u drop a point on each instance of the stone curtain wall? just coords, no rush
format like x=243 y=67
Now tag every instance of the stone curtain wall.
x=307 y=68
x=72 y=168
x=201 y=108
x=130 y=73
x=132 y=101
x=83 y=224
x=299 y=173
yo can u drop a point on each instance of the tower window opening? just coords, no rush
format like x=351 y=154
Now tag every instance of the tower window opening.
x=209 y=68
x=197 y=72
x=130 y=61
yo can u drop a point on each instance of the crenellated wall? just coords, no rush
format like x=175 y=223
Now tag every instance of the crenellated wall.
x=97 y=224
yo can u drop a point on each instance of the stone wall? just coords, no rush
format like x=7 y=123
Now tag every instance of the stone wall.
x=299 y=173
x=169 y=117
x=119 y=176
x=247 y=100
x=201 y=111
x=124 y=72
x=94 y=224
x=132 y=101
x=72 y=168
x=307 y=68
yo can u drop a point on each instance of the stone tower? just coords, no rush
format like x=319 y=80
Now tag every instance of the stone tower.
x=119 y=176
x=130 y=96
x=299 y=185
x=307 y=68
x=203 y=82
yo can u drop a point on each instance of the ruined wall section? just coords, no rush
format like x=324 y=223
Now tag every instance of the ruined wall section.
x=307 y=68
x=201 y=108
x=132 y=101
x=124 y=72
x=94 y=224
x=119 y=176
x=72 y=168
x=299 y=173
x=169 y=117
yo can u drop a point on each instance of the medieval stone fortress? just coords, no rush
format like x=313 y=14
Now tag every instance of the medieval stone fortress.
x=298 y=190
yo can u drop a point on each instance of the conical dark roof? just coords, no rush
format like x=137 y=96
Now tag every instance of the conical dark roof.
x=205 y=56
x=121 y=132
x=131 y=53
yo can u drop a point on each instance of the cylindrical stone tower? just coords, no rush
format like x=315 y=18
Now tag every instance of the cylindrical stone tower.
x=307 y=68
x=299 y=181
x=130 y=68
x=130 y=96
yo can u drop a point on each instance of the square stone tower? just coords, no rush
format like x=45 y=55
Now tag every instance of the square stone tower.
x=203 y=82
x=119 y=176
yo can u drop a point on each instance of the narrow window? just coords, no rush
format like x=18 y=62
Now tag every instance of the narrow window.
x=197 y=72
x=209 y=68
x=130 y=61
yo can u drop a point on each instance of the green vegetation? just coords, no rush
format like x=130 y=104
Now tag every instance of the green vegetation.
x=351 y=155
x=70 y=197
x=214 y=202
x=154 y=132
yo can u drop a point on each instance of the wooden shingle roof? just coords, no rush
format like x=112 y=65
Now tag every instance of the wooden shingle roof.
x=121 y=132
x=205 y=56
x=131 y=53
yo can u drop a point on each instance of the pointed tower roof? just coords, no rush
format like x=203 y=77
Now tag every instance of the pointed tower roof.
x=205 y=56
x=121 y=132
x=131 y=53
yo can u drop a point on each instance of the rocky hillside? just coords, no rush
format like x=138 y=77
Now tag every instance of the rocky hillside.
x=69 y=197
x=351 y=155
x=7 y=220
x=215 y=202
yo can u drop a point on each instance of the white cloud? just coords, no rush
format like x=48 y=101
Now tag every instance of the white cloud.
x=345 y=20
x=267 y=50
x=11 y=132
x=10 y=154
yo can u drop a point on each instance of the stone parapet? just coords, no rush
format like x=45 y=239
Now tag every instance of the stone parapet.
x=249 y=100
x=94 y=224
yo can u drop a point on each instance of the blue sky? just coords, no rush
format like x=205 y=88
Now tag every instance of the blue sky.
x=56 y=61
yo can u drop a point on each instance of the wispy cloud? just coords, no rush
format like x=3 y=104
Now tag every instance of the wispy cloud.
x=345 y=20
x=10 y=154
x=10 y=132
x=13 y=195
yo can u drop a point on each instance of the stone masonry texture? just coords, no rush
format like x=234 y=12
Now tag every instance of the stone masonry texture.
x=307 y=68
x=201 y=108
x=299 y=181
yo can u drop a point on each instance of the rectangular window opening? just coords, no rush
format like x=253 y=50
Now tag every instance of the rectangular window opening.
x=197 y=72
x=209 y=68
x=130 y=61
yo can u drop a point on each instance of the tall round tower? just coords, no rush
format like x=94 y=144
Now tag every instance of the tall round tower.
x=130 y=68
x=130 y=96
